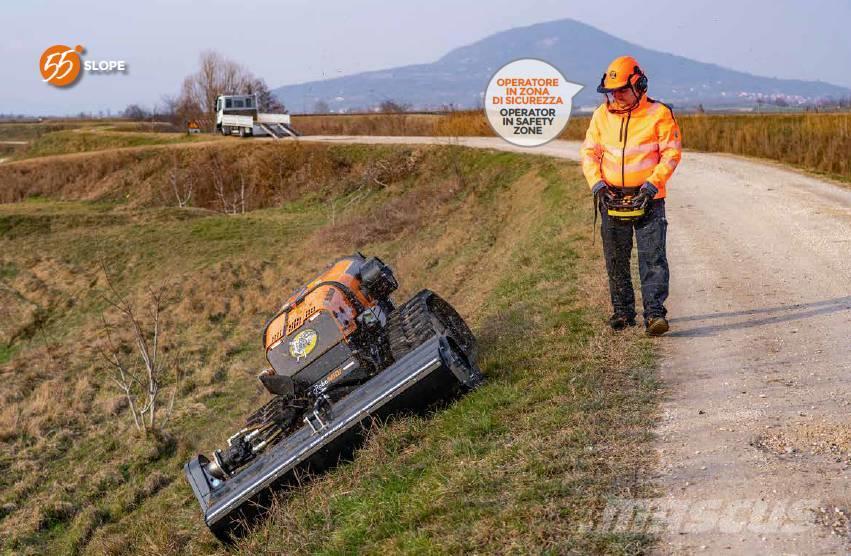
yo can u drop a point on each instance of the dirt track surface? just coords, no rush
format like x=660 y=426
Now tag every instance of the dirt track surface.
x=755 y=437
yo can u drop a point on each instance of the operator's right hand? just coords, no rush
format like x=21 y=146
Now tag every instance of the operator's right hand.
x=601 y=192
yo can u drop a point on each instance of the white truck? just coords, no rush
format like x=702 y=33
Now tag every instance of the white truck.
x=238 y=115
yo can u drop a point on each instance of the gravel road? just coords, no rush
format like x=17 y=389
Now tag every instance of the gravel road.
x=755 y=438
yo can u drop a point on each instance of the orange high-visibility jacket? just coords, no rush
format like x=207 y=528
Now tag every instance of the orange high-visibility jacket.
x=630 y=149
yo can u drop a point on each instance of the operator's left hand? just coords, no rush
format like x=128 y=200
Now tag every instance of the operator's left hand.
x=645 y=194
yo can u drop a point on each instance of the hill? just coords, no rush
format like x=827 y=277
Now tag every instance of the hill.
x=580 y=51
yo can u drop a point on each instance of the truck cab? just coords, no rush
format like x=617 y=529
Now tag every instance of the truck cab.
x=236 y=114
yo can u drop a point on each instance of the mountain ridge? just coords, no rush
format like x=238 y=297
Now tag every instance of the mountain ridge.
x=580 y=51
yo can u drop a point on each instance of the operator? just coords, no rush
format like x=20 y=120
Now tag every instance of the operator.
x=631 y=148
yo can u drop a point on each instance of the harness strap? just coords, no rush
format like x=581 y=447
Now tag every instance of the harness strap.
x=596 y=205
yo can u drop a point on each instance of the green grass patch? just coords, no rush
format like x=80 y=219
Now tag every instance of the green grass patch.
x=77 y=141
x=7 y=352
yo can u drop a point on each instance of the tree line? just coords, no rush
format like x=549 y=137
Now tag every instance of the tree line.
x=196 y=100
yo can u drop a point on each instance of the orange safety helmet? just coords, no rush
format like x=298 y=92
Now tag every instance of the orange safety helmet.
x=623 y=72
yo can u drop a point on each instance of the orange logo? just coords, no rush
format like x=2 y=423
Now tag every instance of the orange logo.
x=60 y=65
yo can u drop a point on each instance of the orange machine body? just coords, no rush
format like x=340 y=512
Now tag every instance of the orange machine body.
x=337 y=291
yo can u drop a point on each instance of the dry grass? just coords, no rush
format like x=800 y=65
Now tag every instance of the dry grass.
x=502 y=236
x=367 y=124
x=814 y=142
x=269 y=173
x=464 y=123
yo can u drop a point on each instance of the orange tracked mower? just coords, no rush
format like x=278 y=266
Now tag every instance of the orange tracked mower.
x=341 y=354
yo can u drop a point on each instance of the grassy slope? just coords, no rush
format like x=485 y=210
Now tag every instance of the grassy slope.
x=522 y=463
x=560 y=426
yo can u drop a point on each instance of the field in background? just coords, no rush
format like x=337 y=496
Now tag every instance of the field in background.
x=28 y=140
x=78 y=141
x=561 y=426
x=367 y=124
x=815 y=142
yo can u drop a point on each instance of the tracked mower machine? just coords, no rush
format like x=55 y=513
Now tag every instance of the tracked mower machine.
x=341 y=354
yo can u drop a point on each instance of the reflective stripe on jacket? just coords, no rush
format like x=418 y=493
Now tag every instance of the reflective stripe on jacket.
x=630 y=149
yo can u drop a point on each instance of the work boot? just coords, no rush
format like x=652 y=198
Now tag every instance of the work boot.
x=656 y=326
x=619 y=322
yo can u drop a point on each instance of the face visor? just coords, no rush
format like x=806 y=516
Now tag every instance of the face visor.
x=616 y=107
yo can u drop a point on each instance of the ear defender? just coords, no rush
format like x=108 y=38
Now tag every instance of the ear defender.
x=640 y=83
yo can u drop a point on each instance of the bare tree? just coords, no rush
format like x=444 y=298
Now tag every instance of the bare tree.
x=135 y=112
x=216 y=76
x=170 y=108
x=188 y=108
x=217 y=173
x=455 y=162
x=139 y=378
x=321 y=107
x=390 y=106
x=266 y=101
x=181 y=183
x=232 y=196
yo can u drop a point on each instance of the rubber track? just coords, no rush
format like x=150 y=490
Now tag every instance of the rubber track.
x=410 y=325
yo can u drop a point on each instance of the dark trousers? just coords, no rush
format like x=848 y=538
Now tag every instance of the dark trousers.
x=650 y=232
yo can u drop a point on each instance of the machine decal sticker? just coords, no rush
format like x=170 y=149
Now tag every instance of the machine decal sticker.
x=303 y=343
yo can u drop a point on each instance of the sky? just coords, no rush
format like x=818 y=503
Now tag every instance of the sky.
x=292 y=41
